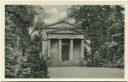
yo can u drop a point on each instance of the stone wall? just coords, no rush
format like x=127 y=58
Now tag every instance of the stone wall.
x=76 y=51
x=54 y=52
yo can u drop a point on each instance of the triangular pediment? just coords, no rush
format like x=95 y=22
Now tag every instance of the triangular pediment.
x=62 y=25
x=65 y=31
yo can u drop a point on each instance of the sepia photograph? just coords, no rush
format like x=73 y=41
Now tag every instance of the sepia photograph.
x=64 y=41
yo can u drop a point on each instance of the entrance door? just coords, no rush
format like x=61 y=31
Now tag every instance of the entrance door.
x=65 y=53
x=65 y=50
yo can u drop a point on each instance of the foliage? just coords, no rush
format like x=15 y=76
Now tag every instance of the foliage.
x=11 y=62
x=19 y=19
x=101 y=24
x=34 y=66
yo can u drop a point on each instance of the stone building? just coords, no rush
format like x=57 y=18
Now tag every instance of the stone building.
x=63 y=44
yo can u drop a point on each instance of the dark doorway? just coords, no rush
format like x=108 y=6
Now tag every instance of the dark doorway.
x=65 y=50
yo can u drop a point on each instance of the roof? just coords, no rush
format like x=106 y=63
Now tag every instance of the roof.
x=63 y=27
x=66 y=31
x=47 y=26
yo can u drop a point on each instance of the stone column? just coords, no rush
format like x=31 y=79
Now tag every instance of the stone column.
x=49 y=43
x=82 y=49
x=60 y=50
x=44 y=48
x=71 y=49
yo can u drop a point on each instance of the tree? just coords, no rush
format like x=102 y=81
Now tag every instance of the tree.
x=19 y=20
x=100 y=23
x=22 y=18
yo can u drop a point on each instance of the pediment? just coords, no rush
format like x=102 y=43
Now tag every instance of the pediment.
x=62 y=25
x=65 y=31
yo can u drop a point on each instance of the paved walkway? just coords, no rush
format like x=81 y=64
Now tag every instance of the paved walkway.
x=85 y=72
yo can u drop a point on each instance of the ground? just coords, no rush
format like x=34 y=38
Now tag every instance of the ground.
x=85 y=72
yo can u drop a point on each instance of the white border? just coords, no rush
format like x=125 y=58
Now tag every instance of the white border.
x=52 y=2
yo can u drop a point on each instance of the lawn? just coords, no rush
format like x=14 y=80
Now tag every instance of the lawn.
x=85 y=72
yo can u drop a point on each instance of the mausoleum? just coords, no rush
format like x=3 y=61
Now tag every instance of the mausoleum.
x=63 y=44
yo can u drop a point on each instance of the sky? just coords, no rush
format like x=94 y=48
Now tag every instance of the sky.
x=56 y=12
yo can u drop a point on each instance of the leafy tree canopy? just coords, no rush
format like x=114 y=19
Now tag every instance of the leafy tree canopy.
x=101 y=23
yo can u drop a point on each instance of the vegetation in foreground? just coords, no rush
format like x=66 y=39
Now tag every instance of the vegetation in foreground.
x=23 y=58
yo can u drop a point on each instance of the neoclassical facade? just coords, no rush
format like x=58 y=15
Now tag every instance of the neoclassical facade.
x=63 y=44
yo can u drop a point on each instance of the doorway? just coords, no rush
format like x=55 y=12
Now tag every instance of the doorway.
x=65 y=50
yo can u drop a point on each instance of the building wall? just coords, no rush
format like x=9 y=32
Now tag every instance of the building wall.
x=57 y=31
x=76 y=51
x=54 y=54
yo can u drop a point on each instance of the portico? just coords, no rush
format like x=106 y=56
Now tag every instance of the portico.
x=65 y=45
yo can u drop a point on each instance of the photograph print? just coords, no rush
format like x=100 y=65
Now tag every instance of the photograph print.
x=64 y=41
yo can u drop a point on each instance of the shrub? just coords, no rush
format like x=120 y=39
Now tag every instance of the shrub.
x=10 y=62
x=34 y=67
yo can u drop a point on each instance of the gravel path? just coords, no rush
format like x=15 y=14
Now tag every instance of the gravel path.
x=85 y=72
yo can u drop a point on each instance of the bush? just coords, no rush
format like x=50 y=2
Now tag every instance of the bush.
x=93 y=63
x=108 y=55
x=10 y=62
x=34 y=66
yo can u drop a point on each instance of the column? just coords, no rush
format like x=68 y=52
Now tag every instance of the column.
x=60 y=50
x=44 y=48
x=49 y=43
x=82 y=49
x=71 y=49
